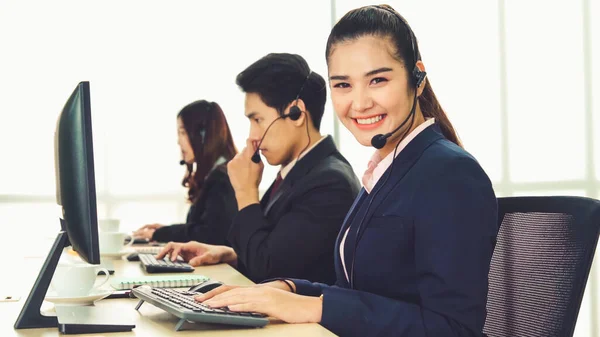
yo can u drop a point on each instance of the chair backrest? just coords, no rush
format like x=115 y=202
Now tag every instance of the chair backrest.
x=540 y=265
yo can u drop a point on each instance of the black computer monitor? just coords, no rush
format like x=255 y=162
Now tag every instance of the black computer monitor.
x=75 y=183
x=76 y=194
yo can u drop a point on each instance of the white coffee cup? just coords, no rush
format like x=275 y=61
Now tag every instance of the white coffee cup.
x=112 y=242
x=109 y=225
x=77 y=279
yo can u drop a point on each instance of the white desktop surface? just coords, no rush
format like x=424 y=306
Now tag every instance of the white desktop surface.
x=19 y=275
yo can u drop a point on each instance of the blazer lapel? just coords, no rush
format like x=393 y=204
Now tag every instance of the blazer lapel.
x=339 y=271
x=352 y=211
x=324 y=149
x=402 y=164
x=283 y=190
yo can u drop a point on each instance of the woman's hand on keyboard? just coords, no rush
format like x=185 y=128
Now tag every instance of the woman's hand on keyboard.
x=146 y=231
x=277 y=303
x=218 y=290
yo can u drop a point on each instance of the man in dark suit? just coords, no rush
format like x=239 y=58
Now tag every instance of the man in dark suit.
x=291 y=232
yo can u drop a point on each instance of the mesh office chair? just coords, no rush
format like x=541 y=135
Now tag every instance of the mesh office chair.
x=540 y=265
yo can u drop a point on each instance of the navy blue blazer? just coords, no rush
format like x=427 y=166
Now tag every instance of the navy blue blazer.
x=424 y=252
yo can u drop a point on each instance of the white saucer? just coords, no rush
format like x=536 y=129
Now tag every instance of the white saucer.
x=125 y=251
x=80 y=300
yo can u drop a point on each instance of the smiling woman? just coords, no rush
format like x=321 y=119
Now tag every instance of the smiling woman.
x=364 y=100
x=413 y=255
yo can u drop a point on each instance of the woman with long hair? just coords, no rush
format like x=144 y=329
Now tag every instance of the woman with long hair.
x=206 y=148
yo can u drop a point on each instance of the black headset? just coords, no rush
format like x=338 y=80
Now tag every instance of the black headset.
x=416 y=78
x=380 y=140
x=293 y=114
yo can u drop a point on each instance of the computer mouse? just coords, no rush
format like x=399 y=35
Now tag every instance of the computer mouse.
x=133 y=257
x=206 y=286
x=140 y=241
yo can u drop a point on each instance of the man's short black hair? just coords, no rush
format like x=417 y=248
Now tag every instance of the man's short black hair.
x=278 y=77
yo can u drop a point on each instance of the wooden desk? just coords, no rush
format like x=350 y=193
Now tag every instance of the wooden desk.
x=149 y=320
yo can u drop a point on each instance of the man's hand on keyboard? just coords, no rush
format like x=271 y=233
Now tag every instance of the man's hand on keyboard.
x=277 y=303
x=198 y=254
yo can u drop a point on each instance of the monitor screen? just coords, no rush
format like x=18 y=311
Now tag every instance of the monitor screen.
x=75 y=183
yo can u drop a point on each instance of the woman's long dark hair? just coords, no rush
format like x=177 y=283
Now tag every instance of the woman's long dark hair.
x=210 y=137
x=385 y=22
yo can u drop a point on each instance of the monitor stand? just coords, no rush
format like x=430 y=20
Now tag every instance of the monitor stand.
x=31 y=316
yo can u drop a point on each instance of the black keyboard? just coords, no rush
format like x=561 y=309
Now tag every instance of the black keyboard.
x=152 y=265
x=183 y=305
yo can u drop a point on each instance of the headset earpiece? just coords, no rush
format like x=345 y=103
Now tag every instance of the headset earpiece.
x=294 y=113
x=418 y=76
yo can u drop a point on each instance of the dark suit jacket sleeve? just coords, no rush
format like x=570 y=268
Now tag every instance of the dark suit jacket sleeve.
x=301 y=236
x=212 y=224
x=454 y=231
x=176 y=232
